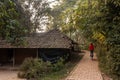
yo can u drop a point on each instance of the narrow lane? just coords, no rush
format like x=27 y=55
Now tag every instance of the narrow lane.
x=86 y=69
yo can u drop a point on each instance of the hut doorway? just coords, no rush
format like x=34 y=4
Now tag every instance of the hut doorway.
x=6 y=57
x=10 y=56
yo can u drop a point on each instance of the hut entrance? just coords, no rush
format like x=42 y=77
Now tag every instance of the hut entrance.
x=6 y=57
x=10 y=56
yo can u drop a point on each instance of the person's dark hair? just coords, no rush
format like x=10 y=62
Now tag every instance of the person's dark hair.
x=91 y=43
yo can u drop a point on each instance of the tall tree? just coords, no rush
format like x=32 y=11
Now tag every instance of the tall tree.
x=37 y=11
x=76 y=19
x=100 y=24
x=109 y=22
x=10 y=27
x=58 y=10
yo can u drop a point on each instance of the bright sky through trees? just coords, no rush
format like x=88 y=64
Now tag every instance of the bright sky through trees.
x=53 y=3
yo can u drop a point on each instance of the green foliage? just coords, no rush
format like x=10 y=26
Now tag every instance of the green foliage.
x=36 y=68
x=109 y=25
x=10 y=27
x=98 y=21
x=77 y=20
x=34 y=13
x=58 y=11
x=109 y=61
x=58 y=66
x=102 y=57
x=114 y=62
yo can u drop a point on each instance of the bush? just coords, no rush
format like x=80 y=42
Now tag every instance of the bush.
x=102 y=57
x=37 y=68
x=109 y=61
x=57 y=66
x=34 y=68
x=114 y=62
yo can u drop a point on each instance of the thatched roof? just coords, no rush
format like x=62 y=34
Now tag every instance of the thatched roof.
x=5 y=44
x=51 y=39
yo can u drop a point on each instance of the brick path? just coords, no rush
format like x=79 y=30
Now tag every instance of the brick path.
x=86 y=69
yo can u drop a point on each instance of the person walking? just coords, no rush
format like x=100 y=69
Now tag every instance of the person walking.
x=91 y=48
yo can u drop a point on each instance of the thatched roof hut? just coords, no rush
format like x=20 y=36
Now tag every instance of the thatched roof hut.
x=51 y=39
x=48 y=46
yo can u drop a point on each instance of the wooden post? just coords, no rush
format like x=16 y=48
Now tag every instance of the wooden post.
x=13 y=57
x=37 y=53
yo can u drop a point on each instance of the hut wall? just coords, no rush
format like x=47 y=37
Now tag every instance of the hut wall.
x=6 y=55
x=22 y=53
x=51 y=53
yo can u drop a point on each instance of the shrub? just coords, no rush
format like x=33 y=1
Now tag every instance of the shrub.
x=34 y=68
x=37 y=68
x=109 y=61
x=102 y=57
x=114 y=62
x=58 y=66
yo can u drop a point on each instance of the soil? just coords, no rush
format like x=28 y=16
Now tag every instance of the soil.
x=9 y=75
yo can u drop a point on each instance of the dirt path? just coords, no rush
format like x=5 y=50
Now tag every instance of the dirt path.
x=86 y=69
x=9 y=75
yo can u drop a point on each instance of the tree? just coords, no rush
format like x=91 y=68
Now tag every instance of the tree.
x=10 y=27
x=37 y=13
x=100 y=23
x=62 y=16
x=58 y=10
x=76 y=19
x=108 y=22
